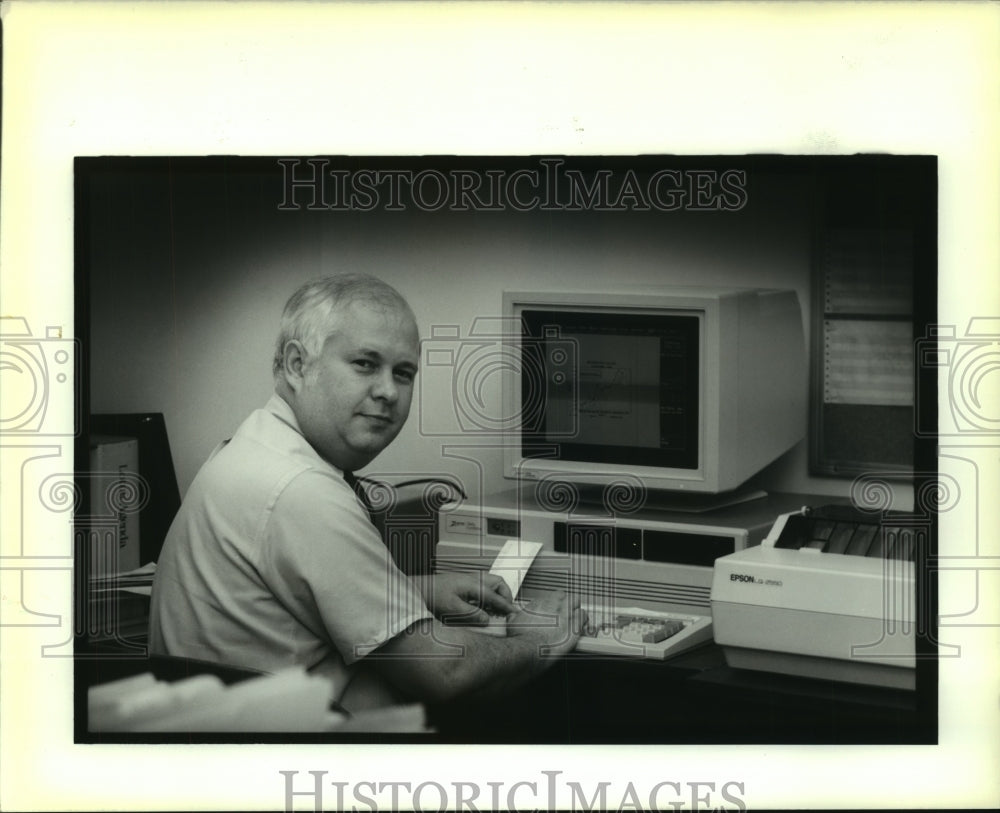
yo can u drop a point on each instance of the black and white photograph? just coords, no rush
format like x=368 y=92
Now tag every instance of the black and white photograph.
x=552 y=466
x=598 y=383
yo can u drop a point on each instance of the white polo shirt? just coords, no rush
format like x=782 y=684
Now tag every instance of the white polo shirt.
x=273 y=562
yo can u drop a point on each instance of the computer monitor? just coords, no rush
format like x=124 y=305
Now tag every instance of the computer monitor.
x=672 y=389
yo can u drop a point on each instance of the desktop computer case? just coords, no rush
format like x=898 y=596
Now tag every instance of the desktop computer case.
x=472 y=533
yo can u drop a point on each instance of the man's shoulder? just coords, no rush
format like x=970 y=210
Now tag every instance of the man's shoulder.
x=248 y=459
x=267 y=437
x=262 y=454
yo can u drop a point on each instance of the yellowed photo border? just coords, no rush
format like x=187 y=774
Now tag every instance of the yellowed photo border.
x=264 y=78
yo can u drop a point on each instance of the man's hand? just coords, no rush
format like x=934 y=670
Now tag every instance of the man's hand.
x=554 y=621
x=467 y=598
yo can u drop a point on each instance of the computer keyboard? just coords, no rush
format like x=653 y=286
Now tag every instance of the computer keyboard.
x=632 y=632
x=635 y=632
x=641 y=633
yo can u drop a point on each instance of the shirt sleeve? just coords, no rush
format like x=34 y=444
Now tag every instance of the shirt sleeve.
x=325 y=562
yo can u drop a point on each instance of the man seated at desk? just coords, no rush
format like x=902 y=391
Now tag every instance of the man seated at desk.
x=272 y=561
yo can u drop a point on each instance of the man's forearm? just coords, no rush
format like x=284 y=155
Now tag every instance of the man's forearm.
x=436 y=663
x=495 y=664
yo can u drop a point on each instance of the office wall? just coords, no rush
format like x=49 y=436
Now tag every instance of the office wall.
x=189 y=269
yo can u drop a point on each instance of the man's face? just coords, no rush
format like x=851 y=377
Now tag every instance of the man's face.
x=355 y=395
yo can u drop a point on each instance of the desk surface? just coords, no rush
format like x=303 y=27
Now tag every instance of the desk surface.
x=693 y=699
x=582 y=699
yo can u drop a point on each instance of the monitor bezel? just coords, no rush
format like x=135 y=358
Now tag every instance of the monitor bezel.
x=701 y=302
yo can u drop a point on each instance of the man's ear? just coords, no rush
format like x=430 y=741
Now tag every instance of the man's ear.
x=294 y=364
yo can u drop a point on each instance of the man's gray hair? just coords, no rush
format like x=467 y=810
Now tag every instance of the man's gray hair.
x=310 y=313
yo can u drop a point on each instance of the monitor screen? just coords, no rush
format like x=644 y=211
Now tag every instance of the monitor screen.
x=613 y=387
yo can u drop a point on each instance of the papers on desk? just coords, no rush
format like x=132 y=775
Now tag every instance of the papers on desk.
x=288 y=701
x=118 y=607
x=138 y=581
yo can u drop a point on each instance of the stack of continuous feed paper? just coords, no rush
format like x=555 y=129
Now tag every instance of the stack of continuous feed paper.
x=288 y=701
x=118 y=606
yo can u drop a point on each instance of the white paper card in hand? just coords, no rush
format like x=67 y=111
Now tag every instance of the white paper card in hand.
x=513 y=561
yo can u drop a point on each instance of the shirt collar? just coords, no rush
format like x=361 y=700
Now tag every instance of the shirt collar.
x=282 y=410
